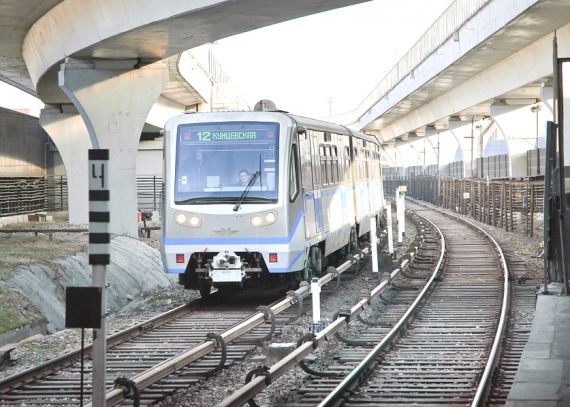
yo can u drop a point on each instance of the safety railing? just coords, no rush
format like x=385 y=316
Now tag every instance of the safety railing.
x=442 y=29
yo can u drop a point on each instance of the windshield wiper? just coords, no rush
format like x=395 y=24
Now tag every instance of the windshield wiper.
x=256 y=174
x=206 y=200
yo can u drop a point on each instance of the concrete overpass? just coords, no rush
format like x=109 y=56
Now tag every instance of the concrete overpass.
x=482 y=72
x=102 y=65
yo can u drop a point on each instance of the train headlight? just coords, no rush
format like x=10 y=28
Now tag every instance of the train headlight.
x=270 y=217
x=180 y=218
x=185 y=219
x=263 y=219
x=195 y=221
x=256 y=220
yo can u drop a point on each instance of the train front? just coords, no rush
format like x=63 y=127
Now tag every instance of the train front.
x=227 y=214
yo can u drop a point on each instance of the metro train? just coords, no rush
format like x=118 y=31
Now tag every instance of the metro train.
x=264 y=199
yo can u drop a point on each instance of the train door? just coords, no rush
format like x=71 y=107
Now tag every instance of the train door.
x=308 y=186
x=317 y=182
x=373 y=193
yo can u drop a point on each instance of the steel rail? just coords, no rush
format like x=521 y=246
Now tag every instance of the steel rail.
x=493 y=358
x=175 y=363
x=36 y=371
x=259 y=383
x=357 y=372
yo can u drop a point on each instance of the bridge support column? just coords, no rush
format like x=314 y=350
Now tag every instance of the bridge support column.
x=521 y=126
x=114 y=101
x=462 y=131
x=68 y=132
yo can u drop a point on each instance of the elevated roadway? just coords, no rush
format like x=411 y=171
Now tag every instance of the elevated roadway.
x=472 y=78
x=102 y=65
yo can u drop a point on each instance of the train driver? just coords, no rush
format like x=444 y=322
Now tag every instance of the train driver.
x=194 y=169
x=244 y=177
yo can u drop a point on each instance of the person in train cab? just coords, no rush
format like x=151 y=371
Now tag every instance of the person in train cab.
x=194 y=171
x=244 y=177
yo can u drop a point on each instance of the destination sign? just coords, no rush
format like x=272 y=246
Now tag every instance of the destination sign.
x=200 y=133
x=226 y=135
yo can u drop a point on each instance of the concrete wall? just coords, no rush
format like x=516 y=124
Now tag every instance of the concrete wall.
x=22 y=145
x=38 y=327
x=149 y=157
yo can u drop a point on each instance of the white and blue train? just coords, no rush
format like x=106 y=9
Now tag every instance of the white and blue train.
x=264 y=198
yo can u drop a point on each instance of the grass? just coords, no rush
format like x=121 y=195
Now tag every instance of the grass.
x=15 y=311
x=20 y=249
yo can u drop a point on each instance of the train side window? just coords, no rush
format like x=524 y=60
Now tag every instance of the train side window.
x=356 y=164
x=330 y=178
x=334 y=164
x=293 y=174
x=346 y=164
x=365 y=162
x=323 y=164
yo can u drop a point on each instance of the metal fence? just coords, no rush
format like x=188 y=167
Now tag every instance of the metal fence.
x=56 y=193
x=515 y=206
x=22 y=195
x=149 y=192
x=26 y=195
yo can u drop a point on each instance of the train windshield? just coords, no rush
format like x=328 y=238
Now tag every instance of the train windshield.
x=216 y=161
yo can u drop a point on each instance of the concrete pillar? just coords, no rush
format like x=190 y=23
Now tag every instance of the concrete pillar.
x=431 y=148
x=447 y=145
x=68 y=132
x=547 y=98
x=518 y=125
x=114 y=101
x=463 y=132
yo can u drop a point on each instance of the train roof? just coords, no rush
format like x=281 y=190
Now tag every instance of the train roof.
x=327 y=126
x=300 y=120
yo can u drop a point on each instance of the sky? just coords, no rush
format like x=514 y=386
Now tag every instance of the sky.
x=326 y=63
x=316 y=66
x=16 y=99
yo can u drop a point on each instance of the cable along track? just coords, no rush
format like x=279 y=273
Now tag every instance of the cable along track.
x=170 y=352
x=57 y=383
x=445 y=353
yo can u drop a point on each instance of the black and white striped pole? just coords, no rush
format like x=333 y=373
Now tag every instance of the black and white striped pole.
x=99 y=258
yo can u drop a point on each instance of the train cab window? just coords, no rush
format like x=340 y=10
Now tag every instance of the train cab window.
x=210 y=157
x=293 y=174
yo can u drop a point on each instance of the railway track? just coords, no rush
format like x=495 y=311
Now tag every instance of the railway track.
x=438 y=355
x=523 y=304
x=441 y=350
x=135 y=350
x=170 y=352
x=447 y=353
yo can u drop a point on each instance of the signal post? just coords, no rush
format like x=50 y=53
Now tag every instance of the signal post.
x=99 y=258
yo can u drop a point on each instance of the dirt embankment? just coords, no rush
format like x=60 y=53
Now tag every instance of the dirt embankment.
x=35 y=270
